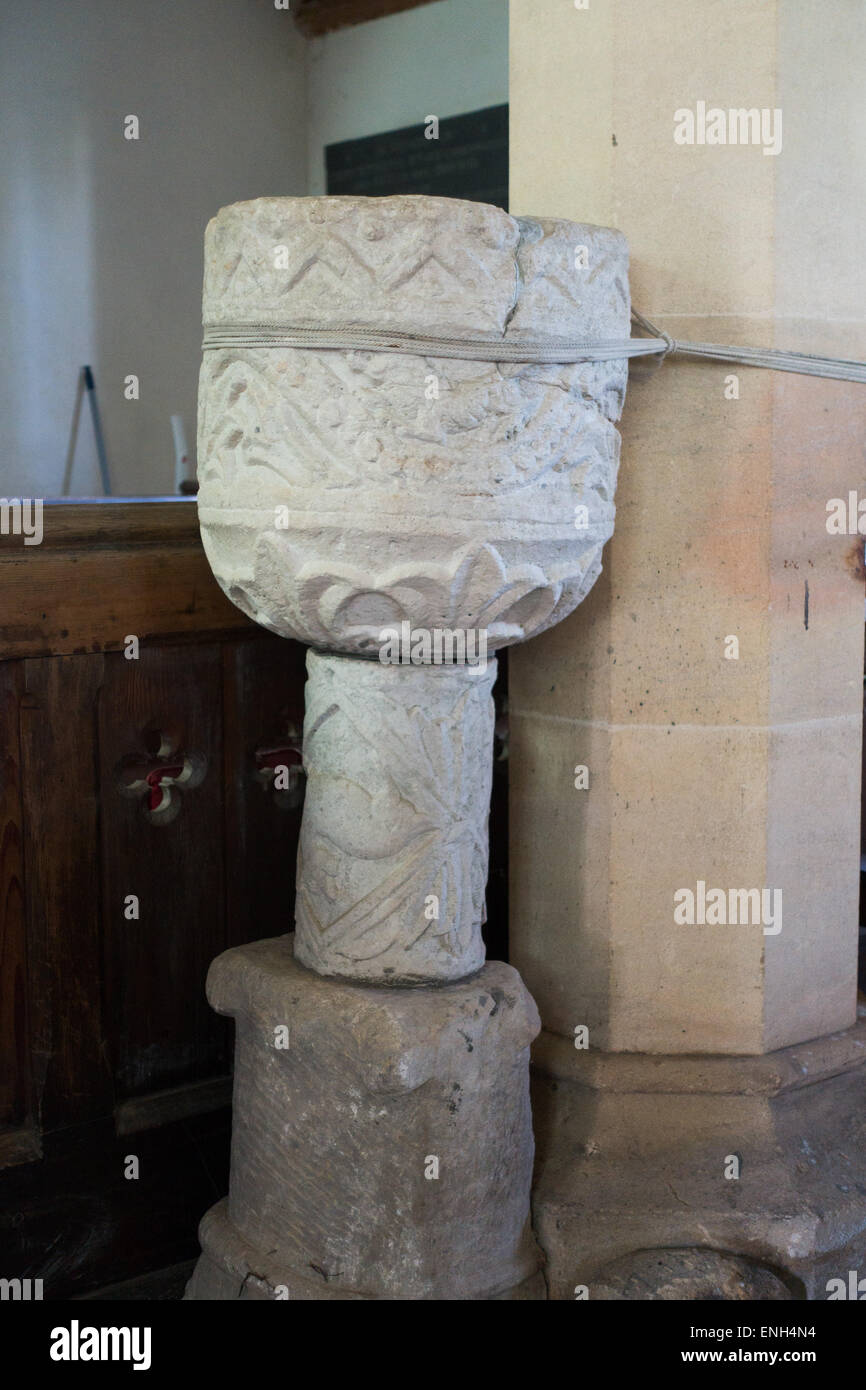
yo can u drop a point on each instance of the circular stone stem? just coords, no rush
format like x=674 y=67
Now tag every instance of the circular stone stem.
x=392 y=862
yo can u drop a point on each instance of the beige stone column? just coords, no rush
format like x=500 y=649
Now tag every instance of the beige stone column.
x=739 y=773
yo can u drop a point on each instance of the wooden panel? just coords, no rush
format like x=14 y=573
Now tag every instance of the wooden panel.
x=321 y=16
x=75 y=1221
x=61 y=819
x=164 y=1107
x=160 y=1029
x=22 y=1145
x=102 y=572
x=14 y=1031
x=125 y=1055
x=116 y=522
x=264 y=696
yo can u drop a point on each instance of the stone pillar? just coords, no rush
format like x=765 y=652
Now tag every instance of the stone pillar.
x=712 y=684
x=393 y=853
x=406 y=513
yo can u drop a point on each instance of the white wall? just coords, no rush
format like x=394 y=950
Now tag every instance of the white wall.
x=441 y=60
x=101 y=238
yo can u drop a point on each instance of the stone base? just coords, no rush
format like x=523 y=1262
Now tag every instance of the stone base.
x=386 y=1151
x=230 y=1268
x=632 y=1200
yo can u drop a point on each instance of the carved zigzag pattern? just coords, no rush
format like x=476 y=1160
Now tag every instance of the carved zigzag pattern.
x=250 y=271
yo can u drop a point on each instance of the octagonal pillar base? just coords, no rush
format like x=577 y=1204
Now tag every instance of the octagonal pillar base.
x=637 y=1193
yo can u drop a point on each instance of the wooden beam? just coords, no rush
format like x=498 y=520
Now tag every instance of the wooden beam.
x=316 y=17
x=105 y=570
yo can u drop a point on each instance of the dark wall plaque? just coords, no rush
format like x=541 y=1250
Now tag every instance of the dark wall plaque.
x=469 y=160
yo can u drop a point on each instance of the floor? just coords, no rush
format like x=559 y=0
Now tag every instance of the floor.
x=162 y=1284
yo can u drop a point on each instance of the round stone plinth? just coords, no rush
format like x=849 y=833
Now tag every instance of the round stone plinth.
x=230 y=1268
x=382 y=1138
